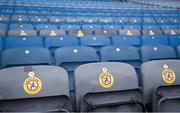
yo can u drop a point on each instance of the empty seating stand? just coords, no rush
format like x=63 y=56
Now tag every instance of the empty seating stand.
x=115 y=35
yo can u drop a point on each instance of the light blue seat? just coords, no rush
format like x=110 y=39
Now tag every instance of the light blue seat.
x=21 y=26
x=71 y=57
x=40 y=27
x=178 y=51
x=174 y=39
x=20 y=42
x=25 y=56
x=121 y=53
x=53 y=43
x=138 y=27
x=154 y=40
x=91 y=27
x=159 y=52
x=69 y=27
x=126 y=40
x=95 y=41
x=115 y=27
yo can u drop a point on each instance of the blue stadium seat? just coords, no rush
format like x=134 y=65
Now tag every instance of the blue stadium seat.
x=79 y=33
x=52 y=33
x=126 y=40
x=19 y=18
x=121 y=53
x=155 y=40
x=71 y=57
x=135 y=20
x=163 y=27
x=56 y=42
x=106 y=20
x=138 y=27
x=43 y=80
x=162 y=20
x=91 y=27
x=38 y=19
x=4 y=26
x=21 y=26
x=172 y=31
x=56 y=19
x=174 y=39
x=45 y=26
x=152 y=32
x=20 y=42
x=105 y=32
x=148 y=20
x=178 y=51
x=146 y=27
x=121 y=20
x=95 y=41
x=22 y=32
x=89 y=20
x=115 y=27
x=130 y=32
x=2 y=32
x=73 y=19
x=4 y=18
x=69 y=27
x=25 y=56
x=158 y=52
x=1 y=43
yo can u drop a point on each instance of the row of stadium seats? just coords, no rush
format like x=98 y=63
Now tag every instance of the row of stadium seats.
x=105 y=87
x=88 y=56
x=95 y=41
x=121 y=19
x=91 y=27
x=40 y=13
x=88 y=31
x=71 y=57
x=83 y=6
x=165 y=3
x=80 y=54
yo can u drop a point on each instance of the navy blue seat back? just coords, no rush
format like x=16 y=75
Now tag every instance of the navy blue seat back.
x=126 y=40
x=25 y=56
x=55 y=42
x=95 y=41
x=174 y=39
x=155 y=40
x=71 y=57
x=157 y=52
x=123 y=53
x=19 y=42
